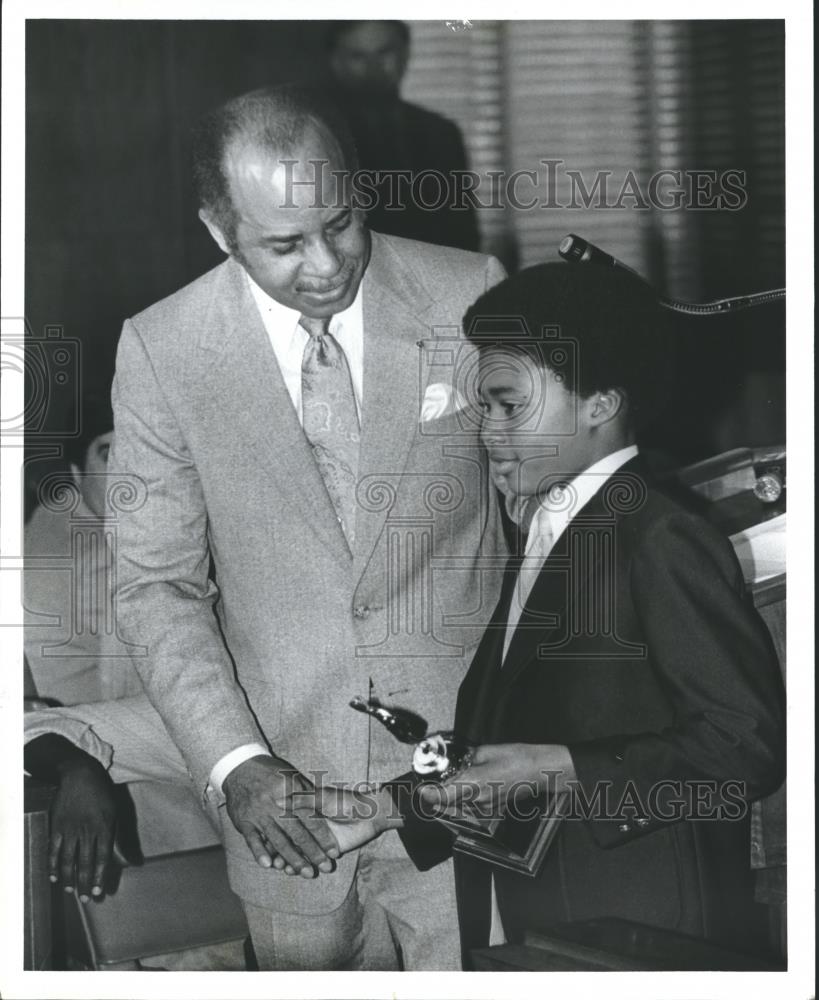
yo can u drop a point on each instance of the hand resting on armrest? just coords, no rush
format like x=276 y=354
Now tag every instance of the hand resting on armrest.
x=83 y=813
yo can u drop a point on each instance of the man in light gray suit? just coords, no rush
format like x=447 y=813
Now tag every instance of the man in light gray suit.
x=303 y=536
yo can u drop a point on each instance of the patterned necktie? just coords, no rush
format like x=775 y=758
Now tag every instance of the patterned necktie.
x=330 y=418
x=537 y=550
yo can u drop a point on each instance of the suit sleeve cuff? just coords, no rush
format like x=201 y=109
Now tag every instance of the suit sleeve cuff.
x=223 y=767
x=426 y=841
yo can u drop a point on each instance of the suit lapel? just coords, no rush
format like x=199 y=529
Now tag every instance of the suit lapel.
x=542 y=614
x=476 y=708
x=246 y=383
x=556 y=609
x=395 y=305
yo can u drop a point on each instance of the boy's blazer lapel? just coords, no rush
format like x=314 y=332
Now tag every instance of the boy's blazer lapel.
x=476 y=709
x=561 y=600
x=244 y=382
x=541 y=616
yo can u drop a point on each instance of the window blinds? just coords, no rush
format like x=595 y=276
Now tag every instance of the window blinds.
x=626 y=99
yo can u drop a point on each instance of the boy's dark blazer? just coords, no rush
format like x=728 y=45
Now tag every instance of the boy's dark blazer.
x=640 y=651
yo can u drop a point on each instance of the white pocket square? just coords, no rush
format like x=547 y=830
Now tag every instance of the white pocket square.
x=440 y=400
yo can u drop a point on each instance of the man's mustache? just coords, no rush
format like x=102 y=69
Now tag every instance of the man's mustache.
x=310 y=286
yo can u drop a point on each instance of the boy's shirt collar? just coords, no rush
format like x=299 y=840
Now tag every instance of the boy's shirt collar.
x=559 y=508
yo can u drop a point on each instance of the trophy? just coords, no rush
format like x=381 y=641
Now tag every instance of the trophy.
x=510 y=840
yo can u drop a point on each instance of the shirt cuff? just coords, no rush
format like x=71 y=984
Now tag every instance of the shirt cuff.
x=223 y=767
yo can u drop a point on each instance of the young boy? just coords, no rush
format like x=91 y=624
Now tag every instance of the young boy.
x=623 y=661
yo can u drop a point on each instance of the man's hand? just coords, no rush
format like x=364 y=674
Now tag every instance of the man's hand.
x=83 y=820
x=267 y=805
x=354 y=817
x=501 y=772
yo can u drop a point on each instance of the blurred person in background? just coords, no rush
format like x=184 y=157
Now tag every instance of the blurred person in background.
x=367 y=62
x=67 y=585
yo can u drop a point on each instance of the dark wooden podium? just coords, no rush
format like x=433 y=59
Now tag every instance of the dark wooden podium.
x=611 y=945
x=727 y=483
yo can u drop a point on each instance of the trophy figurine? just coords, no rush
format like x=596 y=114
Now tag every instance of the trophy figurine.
x=437 y=756
x=509 y=841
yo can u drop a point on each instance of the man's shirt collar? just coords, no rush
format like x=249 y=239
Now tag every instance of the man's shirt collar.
x=282 y=321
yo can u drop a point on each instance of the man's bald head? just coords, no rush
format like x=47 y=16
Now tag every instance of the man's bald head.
x=271 y=168
x=281 y=121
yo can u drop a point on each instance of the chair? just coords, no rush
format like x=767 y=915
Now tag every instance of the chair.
x=39 y=893
x=169 y=903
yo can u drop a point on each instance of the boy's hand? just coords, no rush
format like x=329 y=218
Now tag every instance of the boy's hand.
x=500 y=772
x=358 y=817
x=353 y=817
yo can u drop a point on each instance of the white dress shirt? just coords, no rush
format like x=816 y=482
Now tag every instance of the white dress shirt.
x=553 y=516
x=288 y=340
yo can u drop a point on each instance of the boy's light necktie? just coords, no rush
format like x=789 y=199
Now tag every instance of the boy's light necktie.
x=330 y=418
x=537 y=551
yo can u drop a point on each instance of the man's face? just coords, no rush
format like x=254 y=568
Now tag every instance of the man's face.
x=297 y=239
x=92 y=481
x=370 y=58
x=533 y=428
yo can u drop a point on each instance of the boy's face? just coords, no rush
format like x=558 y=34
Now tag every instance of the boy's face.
x=534 y=429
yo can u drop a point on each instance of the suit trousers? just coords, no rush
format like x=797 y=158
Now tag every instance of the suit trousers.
x=394 y=917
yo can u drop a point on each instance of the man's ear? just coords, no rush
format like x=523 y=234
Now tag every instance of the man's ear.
x=605 y=406
x=215 y=231
x=76 y=475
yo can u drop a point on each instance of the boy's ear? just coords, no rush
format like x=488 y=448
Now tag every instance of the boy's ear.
x=605 y=406
x=215 y=231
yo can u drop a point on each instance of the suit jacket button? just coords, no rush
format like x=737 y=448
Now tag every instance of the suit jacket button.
x=361 y=611
x=624 y=827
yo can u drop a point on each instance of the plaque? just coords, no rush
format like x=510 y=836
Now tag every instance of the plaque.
x=517 y=843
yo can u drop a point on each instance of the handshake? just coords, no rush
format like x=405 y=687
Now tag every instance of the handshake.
x=292 y=826
x=297 y=828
